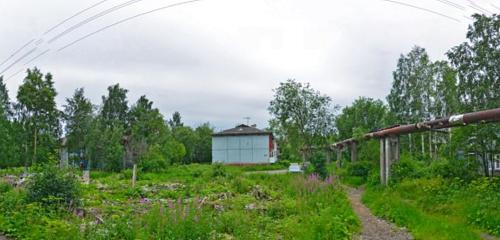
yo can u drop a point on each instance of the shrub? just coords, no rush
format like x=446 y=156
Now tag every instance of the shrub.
x=359 y=169
x=407 y=168
x=318 y=161
x=153 y=160
x=53 y=186
x=219 y=170
x=461 y=168
x=284 y=163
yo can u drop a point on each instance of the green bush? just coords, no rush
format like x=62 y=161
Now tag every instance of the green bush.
x=407 y=168
x=284 y=163
x=153 y=160
x=359 y=169
x=318 y=161
x=51 y=185
x=218 y=170
x=461 y=168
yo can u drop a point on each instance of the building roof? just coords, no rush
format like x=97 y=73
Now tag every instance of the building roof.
x=242 y=129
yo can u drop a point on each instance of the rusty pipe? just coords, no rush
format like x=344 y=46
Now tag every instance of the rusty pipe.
x=491 y=115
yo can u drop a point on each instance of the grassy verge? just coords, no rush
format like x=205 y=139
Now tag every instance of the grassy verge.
x=435 y=208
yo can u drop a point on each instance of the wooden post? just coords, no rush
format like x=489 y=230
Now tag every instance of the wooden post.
x=354 y=152
x=339 y=157
x=134 y=175
x=86 y=176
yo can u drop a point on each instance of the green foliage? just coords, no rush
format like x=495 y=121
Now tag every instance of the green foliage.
x=37 y=112
x=422 y=225
x=458 y=168
x=153 y=160
x=78 y=116
x=53 y=186
x=182 y=203
x=318 y=161
x=301 y=115
x=218 y=170
x=364 y=115
x=407 y=168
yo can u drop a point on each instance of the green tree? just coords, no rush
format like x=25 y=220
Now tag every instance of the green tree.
x=301 y=115
x=10 y=147
x=114 y=110
x=187 y=137
x=415 y=95
x=146 y=129
x=107 y=132
x=176 y=121
x=477 y=64
x=363 y=116
x=78 y=115
x=203 y=147
x=36 y=101
x=5 y=110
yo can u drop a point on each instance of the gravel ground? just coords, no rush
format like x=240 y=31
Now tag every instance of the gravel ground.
x=374 y=228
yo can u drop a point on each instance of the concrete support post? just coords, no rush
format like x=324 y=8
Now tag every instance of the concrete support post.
x=396 y=149
x=354 y=152
x=387 y=164
x=382 y=162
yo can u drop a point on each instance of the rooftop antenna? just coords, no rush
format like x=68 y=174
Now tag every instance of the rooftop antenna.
x=248 y=119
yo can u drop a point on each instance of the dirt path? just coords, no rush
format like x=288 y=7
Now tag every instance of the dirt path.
x=374 y=228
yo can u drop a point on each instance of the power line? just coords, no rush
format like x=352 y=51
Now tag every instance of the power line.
x=423 y=9
x=124 y=20
x=37 y=56
x=13 y=75
x=493 y=5
x=19 y=59
x=479 y=8
x=74 y=15
x=92 y=18
x=18 y=50
x=452 y=4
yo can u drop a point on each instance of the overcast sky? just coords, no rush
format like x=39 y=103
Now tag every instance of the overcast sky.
x=217 y=61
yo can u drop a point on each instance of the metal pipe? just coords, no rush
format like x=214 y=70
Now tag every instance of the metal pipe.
x=491 y=115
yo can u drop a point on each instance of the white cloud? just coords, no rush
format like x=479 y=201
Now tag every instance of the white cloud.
x=218 y=60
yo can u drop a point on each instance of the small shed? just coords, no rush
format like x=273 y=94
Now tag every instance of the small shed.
x=244 y=145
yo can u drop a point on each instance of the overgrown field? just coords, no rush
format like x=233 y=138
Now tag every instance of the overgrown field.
x=186 y=202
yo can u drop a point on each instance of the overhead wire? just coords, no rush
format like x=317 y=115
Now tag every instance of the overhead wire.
x=18 y=60
x=495 y=6
x=17 y=51
x=73 y=16
x=14 y=74
x=423 y=9
x=36 y=57
x=478 y=7
x=124 y=20
x=452 y=4
x=92 y=18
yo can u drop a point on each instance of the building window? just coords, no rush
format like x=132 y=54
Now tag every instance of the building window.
x=497 y=164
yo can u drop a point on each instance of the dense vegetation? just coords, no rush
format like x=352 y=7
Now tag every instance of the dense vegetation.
x=442 y=188
x=111 y=136
x=186 y=202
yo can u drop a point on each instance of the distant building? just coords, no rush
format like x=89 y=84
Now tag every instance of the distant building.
x=244 y=145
